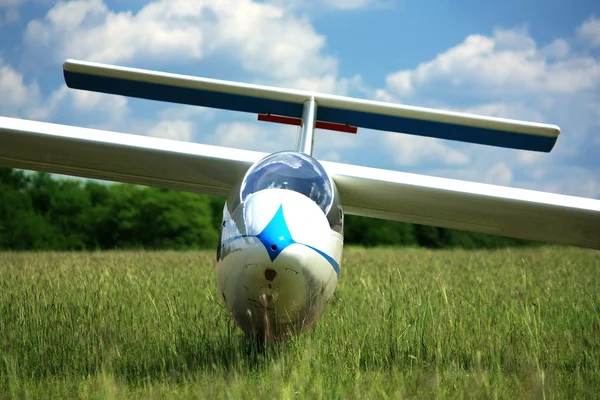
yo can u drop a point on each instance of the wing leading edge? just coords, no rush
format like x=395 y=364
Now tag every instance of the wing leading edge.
x=448 y=203
x=118 y=157
x=257 y=99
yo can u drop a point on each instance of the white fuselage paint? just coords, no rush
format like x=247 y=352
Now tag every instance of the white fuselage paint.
x=279 y=263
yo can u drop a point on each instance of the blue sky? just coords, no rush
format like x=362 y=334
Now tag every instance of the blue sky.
x=532 y=60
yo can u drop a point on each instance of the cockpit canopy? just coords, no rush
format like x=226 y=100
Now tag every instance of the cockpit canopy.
x=293 y=171
x=300 y=173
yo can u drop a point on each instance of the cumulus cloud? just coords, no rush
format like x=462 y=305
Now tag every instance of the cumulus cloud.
x=17 y=96
x=263 y=38
x=24 y=99
x=505 y=64
x=509 y=75
x=589 y=31
x=328 y=5
x=88 y=29
x=557 y=49
x=409 y=150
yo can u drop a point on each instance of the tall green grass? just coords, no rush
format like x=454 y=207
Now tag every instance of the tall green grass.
x=405 y=323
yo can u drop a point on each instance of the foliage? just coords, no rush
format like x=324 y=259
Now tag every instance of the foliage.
x=40 y=212
x=405 y=323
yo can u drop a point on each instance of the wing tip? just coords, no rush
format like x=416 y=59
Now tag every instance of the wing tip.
x=69 y=64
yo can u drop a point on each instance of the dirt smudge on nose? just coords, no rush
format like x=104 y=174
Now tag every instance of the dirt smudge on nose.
x=270 y=274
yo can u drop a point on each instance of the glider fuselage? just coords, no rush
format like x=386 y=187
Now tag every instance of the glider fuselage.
x=280 y=246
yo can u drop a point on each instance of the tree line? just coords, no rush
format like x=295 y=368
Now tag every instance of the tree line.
x=41 y=212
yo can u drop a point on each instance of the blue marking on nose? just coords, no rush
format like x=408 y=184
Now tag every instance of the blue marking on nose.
x=276 y=236
x=326 y=256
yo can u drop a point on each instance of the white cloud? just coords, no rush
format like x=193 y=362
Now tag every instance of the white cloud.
x=328 y=5
x=255 y=136
x=350 y=4
x=24 y=100
x=559 y=48
x=385 y=96
x=263 y=38
x=17 y=95
x=529 y=157
x=514 y=110
x=509 y=75
x=173 y=129
x=499 y=174
x=401 y=82
x=90 y=101
x=88 y=29
x=410 y=150
x=589 y=31
x=45 y=109
x=97 y=110
x=506 y=64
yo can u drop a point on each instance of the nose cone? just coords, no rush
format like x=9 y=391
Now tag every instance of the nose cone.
x=280 y=269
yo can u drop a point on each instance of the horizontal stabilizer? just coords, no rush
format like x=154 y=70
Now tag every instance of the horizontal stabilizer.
x=420 y=199
x=257 y=99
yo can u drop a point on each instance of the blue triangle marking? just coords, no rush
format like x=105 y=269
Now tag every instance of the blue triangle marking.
x=276 y=236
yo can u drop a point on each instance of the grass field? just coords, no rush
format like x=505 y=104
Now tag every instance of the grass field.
x=405 y=323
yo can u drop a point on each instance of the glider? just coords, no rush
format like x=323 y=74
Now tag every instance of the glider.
x=280 y=250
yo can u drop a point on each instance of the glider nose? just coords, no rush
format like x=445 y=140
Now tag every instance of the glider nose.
x=279 y=270
x=284 y=219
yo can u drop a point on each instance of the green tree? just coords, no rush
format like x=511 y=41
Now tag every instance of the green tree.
x=65 y=205
x=376 y=232
x=137 y=217
x=21 y=228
